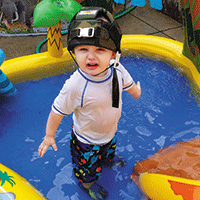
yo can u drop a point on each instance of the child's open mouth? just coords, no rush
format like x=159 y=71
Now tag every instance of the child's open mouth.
x=92 y=66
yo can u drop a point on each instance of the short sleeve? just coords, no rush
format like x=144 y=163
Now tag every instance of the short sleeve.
x=126 y=78
x=68 y=99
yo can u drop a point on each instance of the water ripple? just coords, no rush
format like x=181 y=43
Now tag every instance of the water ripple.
x=161 y=141
x=59 y=161
x=63 y=177
x=195 y=130
x=143 y=131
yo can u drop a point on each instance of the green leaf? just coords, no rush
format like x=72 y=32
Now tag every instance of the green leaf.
x=49 y=12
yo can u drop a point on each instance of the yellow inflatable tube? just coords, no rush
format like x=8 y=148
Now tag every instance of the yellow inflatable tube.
x=163 y=187
x=14 y=187
x=37 y=66
x=166 y=50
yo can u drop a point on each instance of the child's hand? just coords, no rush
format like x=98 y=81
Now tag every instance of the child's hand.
x=135 y=90
x=48 y=140
x=138 y=85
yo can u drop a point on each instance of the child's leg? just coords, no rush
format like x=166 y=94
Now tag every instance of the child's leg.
x=95 y=191
x=109 y=158
x=87 y=167
x=85 y=160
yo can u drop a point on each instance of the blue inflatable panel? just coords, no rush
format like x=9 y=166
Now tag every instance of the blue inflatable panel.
x=157 y=4
x=6 y=87
x=2 y=56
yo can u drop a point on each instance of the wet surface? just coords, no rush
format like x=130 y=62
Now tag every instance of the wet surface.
x=167 y=112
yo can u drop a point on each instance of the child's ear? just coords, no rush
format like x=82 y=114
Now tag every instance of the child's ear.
x=113 y=55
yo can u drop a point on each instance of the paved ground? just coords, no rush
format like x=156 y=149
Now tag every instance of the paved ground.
x=141 y=20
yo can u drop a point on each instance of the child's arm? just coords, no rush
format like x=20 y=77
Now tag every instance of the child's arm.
x=135 y=90
x=52 y=125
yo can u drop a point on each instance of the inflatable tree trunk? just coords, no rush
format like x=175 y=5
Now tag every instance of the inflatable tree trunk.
x=55 y=46
x=191 y=27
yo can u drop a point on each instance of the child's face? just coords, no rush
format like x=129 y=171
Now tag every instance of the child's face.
x=93 y=60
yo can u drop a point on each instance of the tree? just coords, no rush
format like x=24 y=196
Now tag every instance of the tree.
x=48 y=14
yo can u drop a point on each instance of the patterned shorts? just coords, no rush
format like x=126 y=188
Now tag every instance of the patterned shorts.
x=87 y=159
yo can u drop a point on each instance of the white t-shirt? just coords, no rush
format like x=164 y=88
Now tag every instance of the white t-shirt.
x=90 y=100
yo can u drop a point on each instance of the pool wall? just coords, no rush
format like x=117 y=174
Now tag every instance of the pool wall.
x=37 y=66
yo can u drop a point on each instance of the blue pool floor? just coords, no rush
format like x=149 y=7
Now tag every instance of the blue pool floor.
x=167 y=112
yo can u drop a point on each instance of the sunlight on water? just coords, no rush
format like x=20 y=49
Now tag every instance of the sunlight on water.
x=29 y=140
x=59 y=161
x=63 y=177
x=160 y=141
x=195 y=130
x=143 y=131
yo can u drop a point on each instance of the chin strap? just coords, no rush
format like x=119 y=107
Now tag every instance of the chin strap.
x=115 y=84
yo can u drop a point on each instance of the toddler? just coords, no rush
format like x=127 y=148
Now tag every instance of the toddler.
x=94 y=95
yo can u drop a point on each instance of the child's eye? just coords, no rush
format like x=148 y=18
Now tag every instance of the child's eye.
x=100 y=49
x=83 y=49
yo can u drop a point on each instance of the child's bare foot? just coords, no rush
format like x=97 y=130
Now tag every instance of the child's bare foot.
x=95 y=191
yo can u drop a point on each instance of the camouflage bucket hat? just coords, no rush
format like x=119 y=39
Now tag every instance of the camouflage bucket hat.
x=89 y=27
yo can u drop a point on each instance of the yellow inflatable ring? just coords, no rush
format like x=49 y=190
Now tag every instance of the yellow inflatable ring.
x=164 y=187
x=15 y=187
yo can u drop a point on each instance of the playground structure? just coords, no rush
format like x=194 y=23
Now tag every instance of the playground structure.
x=57 y=60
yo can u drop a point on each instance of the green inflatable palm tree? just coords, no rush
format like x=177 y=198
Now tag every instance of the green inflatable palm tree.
x=48 y=14
x=4 y=177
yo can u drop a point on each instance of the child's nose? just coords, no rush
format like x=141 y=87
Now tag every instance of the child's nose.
x=91 y=55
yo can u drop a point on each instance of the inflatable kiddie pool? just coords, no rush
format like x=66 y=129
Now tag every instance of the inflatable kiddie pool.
x=57 y=61
x=40 y=66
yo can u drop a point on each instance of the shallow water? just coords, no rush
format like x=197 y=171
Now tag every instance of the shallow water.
x=167 y=112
